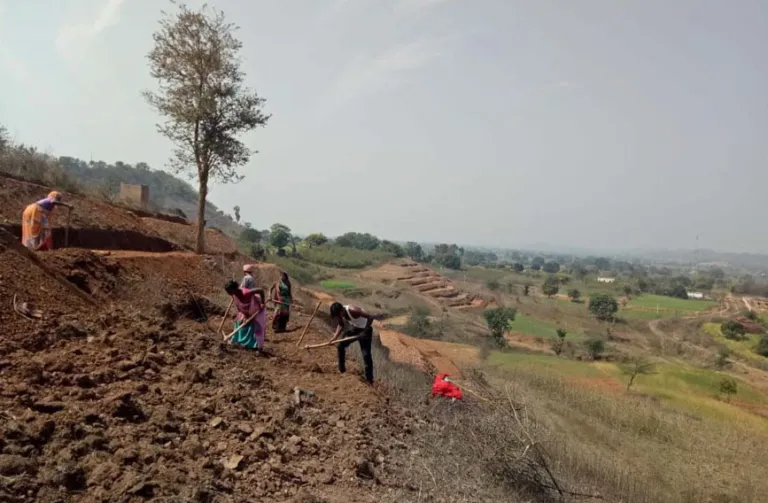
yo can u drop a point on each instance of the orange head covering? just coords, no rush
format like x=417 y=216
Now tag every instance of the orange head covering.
x=55 y=196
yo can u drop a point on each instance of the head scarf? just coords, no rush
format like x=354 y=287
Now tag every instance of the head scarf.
x=55 y=196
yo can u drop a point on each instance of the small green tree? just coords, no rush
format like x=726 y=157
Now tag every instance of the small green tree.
x=595 y=347
x=414 y=251
x=574 y=295
x=518 y=267
x=279 y=237
x=728 y=388
x=559 y=344
x=498 y=320
x=635 y=366
x=236 y=210
x=551 y=267
x=551 y=286
x=493 y=285
x=603 y=306
x=733 y=330
x=762 y=346
x=250 y=235
x=316 y=239
x=627 y=290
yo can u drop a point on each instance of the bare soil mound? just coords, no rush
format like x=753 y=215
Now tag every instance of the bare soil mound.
x=122 y=398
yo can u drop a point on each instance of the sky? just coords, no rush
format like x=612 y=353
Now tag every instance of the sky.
x=599 y=124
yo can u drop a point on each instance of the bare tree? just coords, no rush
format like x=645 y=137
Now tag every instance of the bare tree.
x=636 y=366
x=202 y=98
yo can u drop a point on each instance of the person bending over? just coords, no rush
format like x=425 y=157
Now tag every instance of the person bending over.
x=353 y=321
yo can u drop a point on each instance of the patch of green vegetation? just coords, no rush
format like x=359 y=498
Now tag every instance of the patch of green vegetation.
x=671 y=303
x=301 y=270
x=538 y=328
x=543 y=364
x=344 y=258
x=645 y=314
x=744 y=348
x=336 y=284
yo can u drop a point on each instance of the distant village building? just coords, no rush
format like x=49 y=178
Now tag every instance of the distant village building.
x=134 y=195
x=695 y=295
x=605 y=280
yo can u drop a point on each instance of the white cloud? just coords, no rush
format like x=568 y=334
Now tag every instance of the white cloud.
x=76 y=35
x=387 y=69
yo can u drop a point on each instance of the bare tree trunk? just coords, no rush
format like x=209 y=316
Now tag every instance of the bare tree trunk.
x=203 y=194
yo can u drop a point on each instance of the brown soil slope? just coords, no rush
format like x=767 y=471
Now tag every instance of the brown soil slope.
x=123 y=392
x=100 y=225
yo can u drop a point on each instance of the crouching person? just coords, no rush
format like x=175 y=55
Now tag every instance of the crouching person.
x=250 y=322
x=351 y=322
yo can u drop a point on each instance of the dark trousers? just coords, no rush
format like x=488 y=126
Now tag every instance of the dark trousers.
x=365 y=348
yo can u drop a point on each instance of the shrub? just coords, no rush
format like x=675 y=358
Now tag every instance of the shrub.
x=721 y=361
x=751 y=315
x=498 y=320
x=574 y=294
x=762 y=346
x=559 y=343
x=258 y=252
x=728 y=387
x=551 y=286
x=595 y=347
x=493 y=285
x=733 y=330
x=603 y=306
x=419 y=325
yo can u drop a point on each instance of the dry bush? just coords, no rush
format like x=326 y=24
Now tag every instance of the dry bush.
x=484 y=448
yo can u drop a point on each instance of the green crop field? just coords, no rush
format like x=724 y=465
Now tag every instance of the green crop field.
x=334 y=284
x=671 y=303
x=538 y=328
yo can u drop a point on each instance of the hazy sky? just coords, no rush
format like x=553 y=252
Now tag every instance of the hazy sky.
x=591 y=123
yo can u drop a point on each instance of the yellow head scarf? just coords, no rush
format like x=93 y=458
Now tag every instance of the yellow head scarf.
x=55 y=196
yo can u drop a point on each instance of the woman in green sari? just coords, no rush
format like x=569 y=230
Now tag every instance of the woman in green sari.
x=281 y=293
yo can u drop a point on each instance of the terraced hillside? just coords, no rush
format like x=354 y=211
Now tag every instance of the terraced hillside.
x=428 y=283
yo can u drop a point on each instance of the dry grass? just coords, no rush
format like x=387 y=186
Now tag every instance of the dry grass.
x=632 y=448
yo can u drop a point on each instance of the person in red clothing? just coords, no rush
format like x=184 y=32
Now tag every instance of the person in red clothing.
x=445 y=387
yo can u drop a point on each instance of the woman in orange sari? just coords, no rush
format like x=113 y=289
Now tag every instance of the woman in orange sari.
x=36 y=222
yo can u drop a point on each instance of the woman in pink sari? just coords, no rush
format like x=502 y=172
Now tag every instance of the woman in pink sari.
x=248 y=302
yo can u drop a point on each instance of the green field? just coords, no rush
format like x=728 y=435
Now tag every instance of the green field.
x=334 y=284
x=538 y=328
x=670 y=303
x=646 y=314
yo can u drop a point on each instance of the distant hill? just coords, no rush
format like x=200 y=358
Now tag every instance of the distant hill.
x=166 y=192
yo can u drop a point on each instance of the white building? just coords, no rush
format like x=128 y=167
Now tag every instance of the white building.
x=695 y=295
x=605 y=280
